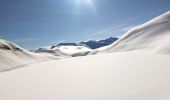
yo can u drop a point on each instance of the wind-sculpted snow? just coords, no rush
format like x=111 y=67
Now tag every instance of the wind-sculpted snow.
x=107 y=76
x=152 y=36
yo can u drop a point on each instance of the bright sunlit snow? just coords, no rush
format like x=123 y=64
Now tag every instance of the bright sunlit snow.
x=119 y=76
x=135 y=67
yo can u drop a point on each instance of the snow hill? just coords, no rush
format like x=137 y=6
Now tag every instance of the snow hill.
x=104 y=76
x=152 y=36
x=13 y=56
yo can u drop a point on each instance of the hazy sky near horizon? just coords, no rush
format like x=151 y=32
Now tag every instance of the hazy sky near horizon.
x=38 y=23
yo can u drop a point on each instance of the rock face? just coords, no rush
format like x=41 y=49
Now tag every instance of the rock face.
x=152 y=36
x=64 y=44
x=100 y=43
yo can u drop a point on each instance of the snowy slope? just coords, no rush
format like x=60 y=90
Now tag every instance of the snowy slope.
x=111 y=76
x=153 y=36
x=13 y=56
x=125 y=75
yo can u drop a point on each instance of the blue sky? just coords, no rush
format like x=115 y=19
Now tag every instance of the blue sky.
x=38 y=23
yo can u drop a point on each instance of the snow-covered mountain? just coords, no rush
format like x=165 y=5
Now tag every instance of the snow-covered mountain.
x=152 y=36
x=64 y=44
x=75 y=49
x=104 y=76
x=92 y=44
x=97 y=44
x=13 y=56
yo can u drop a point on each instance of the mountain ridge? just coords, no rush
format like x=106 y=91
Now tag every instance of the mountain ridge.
x=92 y=44
x=152 y=36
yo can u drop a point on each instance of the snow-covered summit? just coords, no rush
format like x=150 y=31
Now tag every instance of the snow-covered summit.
x=153 y=36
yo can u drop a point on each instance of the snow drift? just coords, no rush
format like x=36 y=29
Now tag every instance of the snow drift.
x=106 y=76
x=153 y=36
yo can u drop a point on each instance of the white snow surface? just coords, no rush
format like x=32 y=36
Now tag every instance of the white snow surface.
x=142 y=73
x=107 y=76
x=15 y=56
x=152 y=36
x=12 y=56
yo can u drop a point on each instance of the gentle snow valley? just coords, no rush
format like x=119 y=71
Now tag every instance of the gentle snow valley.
x=135 y=67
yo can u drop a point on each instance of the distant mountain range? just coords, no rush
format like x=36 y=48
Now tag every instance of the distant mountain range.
x=97 y=44
x=93 y=44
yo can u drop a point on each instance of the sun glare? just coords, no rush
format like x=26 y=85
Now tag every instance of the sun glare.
x=87 y=3
x=84 y=2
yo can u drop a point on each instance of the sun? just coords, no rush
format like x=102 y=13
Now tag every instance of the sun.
x=85 y=3
x=89 y=2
